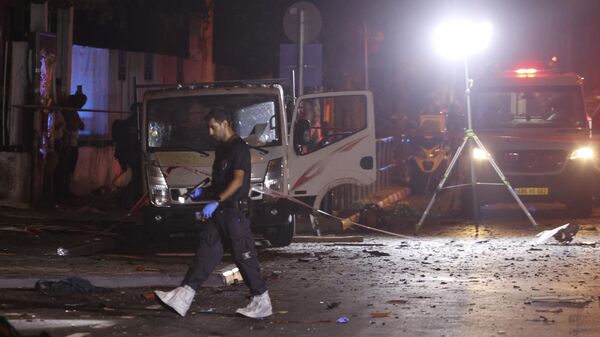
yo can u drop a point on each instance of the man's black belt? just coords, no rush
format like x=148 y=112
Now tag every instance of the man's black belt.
x=241 y=204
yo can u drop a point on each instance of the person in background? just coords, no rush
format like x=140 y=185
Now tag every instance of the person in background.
x=309 y=112
x=70 y=151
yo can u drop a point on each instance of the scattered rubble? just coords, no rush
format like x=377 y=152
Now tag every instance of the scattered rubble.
x=564 y=233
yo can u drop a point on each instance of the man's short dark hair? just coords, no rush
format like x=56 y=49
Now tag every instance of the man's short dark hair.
x=219 y=114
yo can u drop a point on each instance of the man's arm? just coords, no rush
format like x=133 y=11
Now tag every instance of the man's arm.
x=234 y=185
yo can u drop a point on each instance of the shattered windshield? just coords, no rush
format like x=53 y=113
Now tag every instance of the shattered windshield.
x=547 y=106
x=178 y=122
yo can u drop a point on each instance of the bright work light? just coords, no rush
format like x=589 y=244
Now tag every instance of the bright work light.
x=460 y=38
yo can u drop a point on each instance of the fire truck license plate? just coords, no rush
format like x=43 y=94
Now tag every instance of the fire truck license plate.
x=532 y=190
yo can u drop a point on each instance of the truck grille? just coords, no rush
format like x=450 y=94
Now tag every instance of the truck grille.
x=531 y=161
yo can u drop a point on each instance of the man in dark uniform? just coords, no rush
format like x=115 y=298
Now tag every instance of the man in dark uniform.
x=230 y=226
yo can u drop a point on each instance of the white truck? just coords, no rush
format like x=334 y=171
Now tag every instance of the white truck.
x=534 y=124
x=301 y=148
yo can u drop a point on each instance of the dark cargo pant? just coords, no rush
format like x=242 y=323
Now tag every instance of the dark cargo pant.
x=230 y=228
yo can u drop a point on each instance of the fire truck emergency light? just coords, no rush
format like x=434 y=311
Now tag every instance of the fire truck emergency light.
x=528 y=71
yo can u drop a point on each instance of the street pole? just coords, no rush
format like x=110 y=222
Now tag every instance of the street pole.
x=468 y=85
x=301 y=53
x=366 y=56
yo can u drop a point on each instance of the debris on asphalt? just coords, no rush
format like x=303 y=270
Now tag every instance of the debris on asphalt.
x=331 y=305
x=149 y=295
x=144 y=268
x=564 y=233
x=357 y=244
x=379 y=314
x=28 y=230
x=375 y=253
x=69 y=285
x=567 y=234
x=552 y=311
x=90 y=247
x=342 y=320
x=60 y=251
x=542 y=319
x=207 y=310
x=576 y=301
x=230 y=274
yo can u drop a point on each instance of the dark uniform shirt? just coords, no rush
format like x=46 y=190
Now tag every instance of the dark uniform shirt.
x=229 y=156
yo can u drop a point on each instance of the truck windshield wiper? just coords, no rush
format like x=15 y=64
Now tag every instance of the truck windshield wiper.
x=259 y=149
x=182 y=148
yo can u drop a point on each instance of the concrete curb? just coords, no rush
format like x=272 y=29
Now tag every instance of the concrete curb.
x=217 y=279
x=106 y=281
x=326 y=238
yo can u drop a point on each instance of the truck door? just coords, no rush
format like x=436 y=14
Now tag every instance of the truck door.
x=333 y=143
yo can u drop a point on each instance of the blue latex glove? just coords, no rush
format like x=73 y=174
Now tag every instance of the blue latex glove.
x=209 y=209
x=195 y=193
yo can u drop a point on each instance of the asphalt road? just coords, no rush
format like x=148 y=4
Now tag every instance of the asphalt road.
x=454 y=279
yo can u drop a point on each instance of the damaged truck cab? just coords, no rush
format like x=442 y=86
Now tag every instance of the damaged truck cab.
x=301 y=149
x=535 y=126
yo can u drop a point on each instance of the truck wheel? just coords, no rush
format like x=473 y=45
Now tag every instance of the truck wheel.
x=281 y=236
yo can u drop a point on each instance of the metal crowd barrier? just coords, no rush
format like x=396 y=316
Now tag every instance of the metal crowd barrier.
x=346 y=197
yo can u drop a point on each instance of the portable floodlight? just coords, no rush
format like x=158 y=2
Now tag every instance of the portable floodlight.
x=458 y=39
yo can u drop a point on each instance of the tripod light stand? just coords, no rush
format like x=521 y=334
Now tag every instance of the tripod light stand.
x=464 y=38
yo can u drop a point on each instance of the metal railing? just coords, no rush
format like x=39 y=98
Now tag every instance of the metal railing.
x=346 y=197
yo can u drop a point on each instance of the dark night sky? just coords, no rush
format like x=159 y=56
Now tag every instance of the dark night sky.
x=406 y=72
x=524 y=30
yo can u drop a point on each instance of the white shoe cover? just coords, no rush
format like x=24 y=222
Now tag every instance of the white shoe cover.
x=259 y=307
x=179 y=299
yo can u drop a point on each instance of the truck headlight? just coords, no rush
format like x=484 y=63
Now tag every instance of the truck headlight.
x=274 y=175
x=480 y=154
x=582 y=153
x=157 y=187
